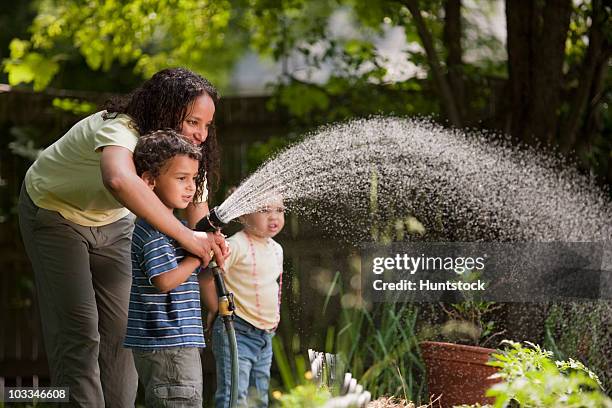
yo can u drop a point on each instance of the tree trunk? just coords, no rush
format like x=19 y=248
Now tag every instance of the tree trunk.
x=594 y=69
x=454 y=64
x=446 y=94
x=537 y=31
x=593 y=123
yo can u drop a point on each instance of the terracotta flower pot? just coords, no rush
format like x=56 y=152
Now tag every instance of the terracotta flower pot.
x=458 y=373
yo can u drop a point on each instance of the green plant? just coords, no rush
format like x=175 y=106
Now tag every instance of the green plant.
x=582 y=330
x=380 y=347
x=470 y=322
x=287 y=368
x=531 y=378
x=306 y=395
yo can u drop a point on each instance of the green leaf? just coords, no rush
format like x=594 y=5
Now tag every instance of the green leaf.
x=34 y=67
x=18 y=48
x=74 y=106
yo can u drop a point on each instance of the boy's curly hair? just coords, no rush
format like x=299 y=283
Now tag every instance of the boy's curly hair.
x=154 y=149
x=163 y=102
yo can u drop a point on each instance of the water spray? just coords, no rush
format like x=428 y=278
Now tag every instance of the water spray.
x=212 y=223
x=366 y=175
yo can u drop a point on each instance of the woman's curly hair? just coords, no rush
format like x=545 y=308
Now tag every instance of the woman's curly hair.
x=163 y=102
x=154 y=149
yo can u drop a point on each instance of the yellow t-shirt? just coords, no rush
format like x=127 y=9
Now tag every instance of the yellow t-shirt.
x=67 y=178
x=252 y=271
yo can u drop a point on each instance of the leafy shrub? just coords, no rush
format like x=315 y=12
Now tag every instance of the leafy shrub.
x=531 y=378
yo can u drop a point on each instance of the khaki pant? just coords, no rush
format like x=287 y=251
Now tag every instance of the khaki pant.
x=83 y=277
x=171 y=377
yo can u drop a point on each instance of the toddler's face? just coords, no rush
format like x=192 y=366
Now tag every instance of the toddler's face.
x=175 y=185
x=266 y=223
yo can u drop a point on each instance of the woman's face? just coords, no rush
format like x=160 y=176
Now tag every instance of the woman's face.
x=199 y=119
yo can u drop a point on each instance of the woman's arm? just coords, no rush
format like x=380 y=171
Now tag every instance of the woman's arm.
x=120 y=178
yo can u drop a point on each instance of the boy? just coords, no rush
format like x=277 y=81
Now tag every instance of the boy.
x=253 y=267
x=165 y=329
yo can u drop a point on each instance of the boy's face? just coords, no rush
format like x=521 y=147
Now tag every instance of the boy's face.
x=175 y=185
x=266 y=223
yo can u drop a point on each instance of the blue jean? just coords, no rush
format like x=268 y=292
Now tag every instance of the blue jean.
x=254 y=361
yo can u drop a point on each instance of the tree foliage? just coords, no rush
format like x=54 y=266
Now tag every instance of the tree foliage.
x=151 y=34
x=550 y=84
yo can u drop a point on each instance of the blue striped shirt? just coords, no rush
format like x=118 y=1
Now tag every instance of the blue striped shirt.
x=157 y=320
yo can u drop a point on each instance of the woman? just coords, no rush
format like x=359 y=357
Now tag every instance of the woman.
x=75 y=220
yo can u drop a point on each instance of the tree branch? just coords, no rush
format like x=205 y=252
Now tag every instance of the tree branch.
x=598 y=53
x=452 y=41
x=446 y=94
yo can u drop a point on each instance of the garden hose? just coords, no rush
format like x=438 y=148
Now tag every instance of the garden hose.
x=226 y=306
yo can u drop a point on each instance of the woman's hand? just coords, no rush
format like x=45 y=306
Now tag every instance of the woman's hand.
x=206 y=246
x=196 y=212
x=225 y=248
